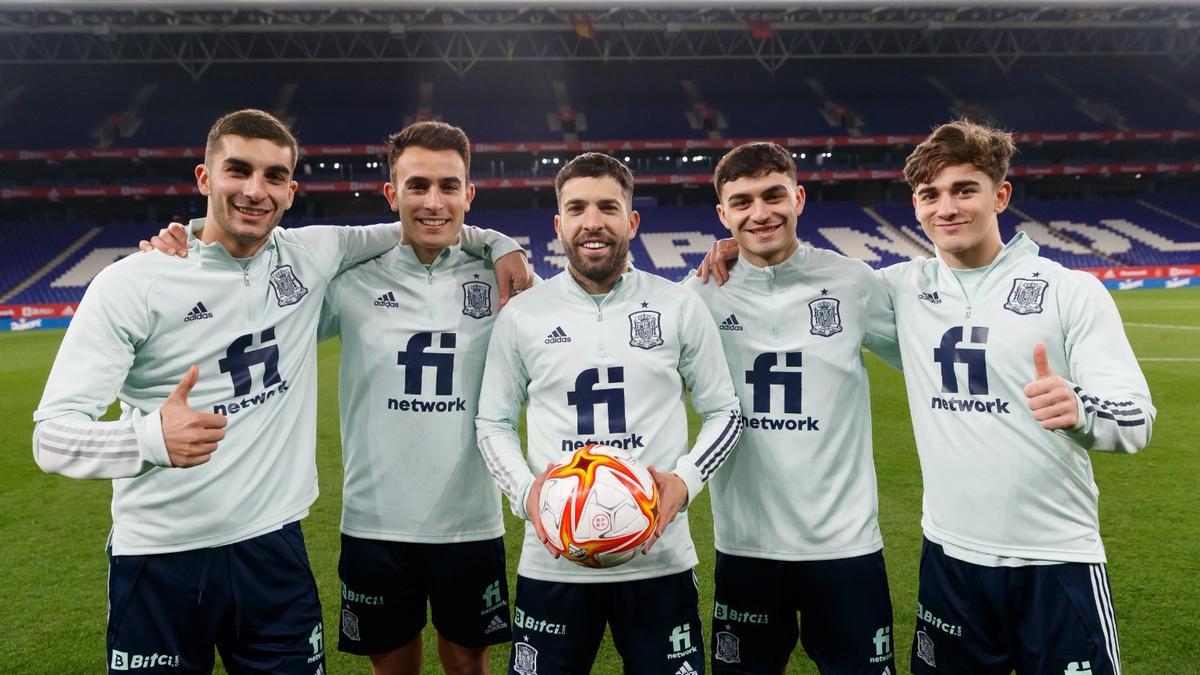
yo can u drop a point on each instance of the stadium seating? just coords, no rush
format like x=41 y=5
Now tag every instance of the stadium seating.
x=673 y=239
x=27 y=247
x=497 y=102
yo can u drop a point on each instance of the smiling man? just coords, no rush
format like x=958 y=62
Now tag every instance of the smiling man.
x=421 y=521
x=206 y=548
x=1015 y=368
x=604 y=353
x=795 y=508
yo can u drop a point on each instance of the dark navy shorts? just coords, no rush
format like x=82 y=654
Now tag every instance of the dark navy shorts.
x=978 y=620
x=845 y=621
x=655 y=623
x=387 y=585
x=255 y=601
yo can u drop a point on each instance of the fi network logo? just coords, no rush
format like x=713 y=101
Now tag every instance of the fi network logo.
x=883 y=644
x=491 y=596
x=415 y=360
x=239 y=357
x=681 y=638
x=587 y=395
x=950 y=354
x=1078 y=668
x=763 y=377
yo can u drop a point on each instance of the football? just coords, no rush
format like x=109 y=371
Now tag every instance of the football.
x=599 y=507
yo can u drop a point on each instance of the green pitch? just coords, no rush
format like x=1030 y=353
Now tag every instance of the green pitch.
x=53 y=529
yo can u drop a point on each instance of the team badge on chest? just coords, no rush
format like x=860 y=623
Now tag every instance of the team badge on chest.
x=1026 y=296
x=645 y=329
x=825 y=316
x=477 y=299
x=288 y=289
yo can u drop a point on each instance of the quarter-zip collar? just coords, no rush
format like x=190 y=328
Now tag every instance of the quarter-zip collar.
x=619 y=290
x=216 y=255
x=767 y=279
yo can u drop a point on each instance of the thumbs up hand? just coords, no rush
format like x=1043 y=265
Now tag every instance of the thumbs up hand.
x=191 y=437
x=1049 y=397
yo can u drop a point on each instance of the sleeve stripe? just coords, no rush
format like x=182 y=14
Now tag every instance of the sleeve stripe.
x=90 y=429
x=49 y=435
x=496 y=468
x=733 y=419
x=85 y=454
x=731 y=434
x=1108 y=416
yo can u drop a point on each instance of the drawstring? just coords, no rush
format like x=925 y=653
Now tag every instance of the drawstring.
x=203 y=581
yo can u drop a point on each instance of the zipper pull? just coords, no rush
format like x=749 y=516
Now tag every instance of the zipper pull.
x=246 y=277
x=968 y=311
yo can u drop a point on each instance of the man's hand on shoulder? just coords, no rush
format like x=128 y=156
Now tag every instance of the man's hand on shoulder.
x=720 y=257
x=513 y=275
x=172 y=240
x=191 y=437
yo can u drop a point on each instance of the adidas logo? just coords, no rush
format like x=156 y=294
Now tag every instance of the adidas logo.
x=731 y=323
x=496 y=624
x=198 y=312
x=931 y=298
x=686 y=669
x=387 y=300
x=557 y=335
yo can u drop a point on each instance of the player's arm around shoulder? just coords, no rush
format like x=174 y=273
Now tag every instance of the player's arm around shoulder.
x=1098 y=396
x=879 y=314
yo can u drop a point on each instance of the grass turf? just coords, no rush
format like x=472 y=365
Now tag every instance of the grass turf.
x=53 y=529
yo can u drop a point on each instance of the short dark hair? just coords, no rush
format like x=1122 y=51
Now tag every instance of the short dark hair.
x=251 y=123
x=961 y=142
x=431 y=136
x=596 y=165
x=753 y=159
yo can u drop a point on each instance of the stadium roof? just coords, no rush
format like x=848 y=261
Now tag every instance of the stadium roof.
x=197 y=35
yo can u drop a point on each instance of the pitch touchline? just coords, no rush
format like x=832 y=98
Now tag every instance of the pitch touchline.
x=1162 y=325
x=1190 y=359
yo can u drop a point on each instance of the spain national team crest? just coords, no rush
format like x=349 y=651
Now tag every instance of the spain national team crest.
x=524 y=658
x=925 y=648
x=288 y=289
x=645 y=329
x=727 y=648
x=825 y=316
x=477 y=299
x=350 y=625
x=1026 y=296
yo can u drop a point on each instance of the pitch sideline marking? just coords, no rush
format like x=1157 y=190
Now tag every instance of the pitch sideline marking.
x=1186 y=359
x=1168 y=326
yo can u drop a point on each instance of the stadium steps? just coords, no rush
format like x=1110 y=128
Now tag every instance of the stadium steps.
x=1168 y=213
x=54 y=262
x=905 y=234
x=1067 y=237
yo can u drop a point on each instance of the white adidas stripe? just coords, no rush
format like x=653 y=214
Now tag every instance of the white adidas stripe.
x=1104 y=609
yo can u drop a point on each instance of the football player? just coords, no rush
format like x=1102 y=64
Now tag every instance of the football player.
x=421 y=520
x=603 y=353
x=1018 y=369
x=795 y=508
x=212 y=470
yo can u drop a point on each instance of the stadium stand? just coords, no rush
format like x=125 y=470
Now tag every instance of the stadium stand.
x=673 y=239
x=27 y=247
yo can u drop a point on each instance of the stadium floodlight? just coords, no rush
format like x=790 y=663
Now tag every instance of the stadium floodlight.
x=398 y=31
